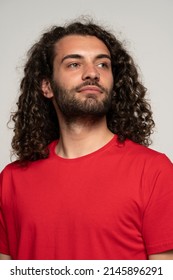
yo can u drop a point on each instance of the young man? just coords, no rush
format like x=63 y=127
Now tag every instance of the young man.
x=85 y=186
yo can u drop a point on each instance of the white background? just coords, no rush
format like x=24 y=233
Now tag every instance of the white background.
x=146 y=27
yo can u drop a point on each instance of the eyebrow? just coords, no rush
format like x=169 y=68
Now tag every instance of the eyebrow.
x=78 y=56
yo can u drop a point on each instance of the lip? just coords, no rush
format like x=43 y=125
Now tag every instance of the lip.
x=91 y=89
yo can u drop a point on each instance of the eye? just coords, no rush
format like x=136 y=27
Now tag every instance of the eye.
x=103 y=65
x=73 y=65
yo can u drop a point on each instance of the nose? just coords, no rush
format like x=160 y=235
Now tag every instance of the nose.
x=91 y=73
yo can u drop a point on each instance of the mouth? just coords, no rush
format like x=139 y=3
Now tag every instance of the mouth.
x=90 y=89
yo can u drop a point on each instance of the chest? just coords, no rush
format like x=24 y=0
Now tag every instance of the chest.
x=99 y=196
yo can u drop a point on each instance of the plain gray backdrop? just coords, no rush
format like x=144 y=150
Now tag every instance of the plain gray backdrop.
x=144 y=26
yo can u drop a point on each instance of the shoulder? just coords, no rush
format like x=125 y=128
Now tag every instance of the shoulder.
x=9 y=167
x=147 y=156
x=16 y=168
x=140 y=150
x=6 y=173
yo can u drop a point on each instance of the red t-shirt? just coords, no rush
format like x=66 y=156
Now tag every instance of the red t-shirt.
x=115 y=203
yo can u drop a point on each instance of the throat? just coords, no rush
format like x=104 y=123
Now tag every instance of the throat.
x=82 y=142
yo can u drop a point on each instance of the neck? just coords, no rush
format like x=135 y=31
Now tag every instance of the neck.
x=82 y=137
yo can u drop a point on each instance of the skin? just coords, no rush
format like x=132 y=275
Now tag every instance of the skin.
x=4 y=257
x=79 y=59
x=162 y=256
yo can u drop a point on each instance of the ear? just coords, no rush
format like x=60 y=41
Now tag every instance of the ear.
x=46 y=89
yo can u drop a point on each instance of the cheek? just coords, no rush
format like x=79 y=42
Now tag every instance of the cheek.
x=69 y=81
x=110 y=81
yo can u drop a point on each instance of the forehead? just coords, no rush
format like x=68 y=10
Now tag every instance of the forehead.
x=79 y=44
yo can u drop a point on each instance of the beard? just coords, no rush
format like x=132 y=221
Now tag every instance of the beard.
x=75 y=107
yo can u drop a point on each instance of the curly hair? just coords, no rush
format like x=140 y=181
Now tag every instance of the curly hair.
x=35 y=120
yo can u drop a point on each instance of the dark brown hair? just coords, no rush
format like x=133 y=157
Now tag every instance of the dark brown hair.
x=35 y=121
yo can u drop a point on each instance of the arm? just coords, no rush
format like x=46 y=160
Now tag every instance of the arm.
x=162 y=256
x=4 y=257
x=157 y=222
x=3 y=239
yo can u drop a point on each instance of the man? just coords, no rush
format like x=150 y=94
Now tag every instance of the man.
x=85 y=186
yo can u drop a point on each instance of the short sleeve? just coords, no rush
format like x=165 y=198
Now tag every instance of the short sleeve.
x=4 y=248
x=158 y=214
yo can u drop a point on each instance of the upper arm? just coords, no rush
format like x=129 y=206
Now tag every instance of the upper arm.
x=157 y=227
x=168 y=255
x=4 y=257
x=3 y=239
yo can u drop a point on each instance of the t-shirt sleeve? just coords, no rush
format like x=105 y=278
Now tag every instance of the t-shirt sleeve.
x=158 y=212
x=4 y=248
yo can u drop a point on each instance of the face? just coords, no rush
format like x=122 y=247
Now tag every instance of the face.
x=82 y=81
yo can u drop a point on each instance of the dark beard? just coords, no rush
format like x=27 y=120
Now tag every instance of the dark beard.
x=74 y=108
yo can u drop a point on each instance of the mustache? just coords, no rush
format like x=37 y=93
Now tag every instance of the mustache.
x=90 y=83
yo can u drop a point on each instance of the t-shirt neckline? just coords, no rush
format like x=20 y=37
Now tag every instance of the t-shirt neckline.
x=52 y=150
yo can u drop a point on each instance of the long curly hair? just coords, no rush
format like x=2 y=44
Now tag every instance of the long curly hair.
x=35 y=120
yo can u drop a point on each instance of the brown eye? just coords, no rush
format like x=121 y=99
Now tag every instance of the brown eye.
x=73 y=65
x=103 y=65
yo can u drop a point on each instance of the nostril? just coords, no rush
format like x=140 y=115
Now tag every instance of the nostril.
x=92 y=76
